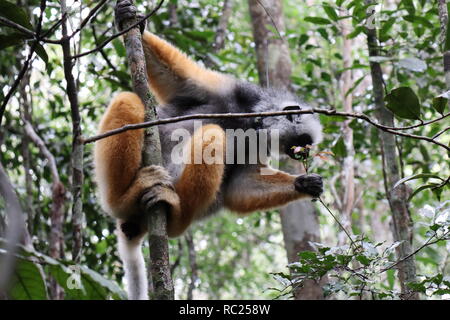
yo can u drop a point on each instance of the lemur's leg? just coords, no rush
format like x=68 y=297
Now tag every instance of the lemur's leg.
x=121 y=180
x=201 y=178
x=170 y=71
x=250 y=191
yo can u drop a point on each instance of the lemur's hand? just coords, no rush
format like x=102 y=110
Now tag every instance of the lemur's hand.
x=311 y=184
x=125 y=9
x=161 y=190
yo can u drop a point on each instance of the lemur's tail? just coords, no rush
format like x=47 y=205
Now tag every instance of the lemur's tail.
x=130 y=253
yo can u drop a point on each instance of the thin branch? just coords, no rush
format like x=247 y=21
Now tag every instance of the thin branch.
x=102 y=52
x=17 y=81
x=26 y=64
x=119 y=33
x=424 y=245
x=328 y=112
x=270 y=16
x=28 y=32
x=440 y=132
x=338 y=222
x=43 y=148
x=91 y=14
x=77 y=145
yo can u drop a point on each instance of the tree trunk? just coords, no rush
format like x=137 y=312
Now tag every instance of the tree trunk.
x=299 y=219
x=151 y=155
x=402 y=223
x=348 y=170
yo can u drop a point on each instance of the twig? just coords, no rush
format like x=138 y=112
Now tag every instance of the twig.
x=27 y=62
x=270 y=16
x=337 y=221
x=93 y=12
x=77 y=145
x=101 y=46
x=426 y=244
x=328 y=112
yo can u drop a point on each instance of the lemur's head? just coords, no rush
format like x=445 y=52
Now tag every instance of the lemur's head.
x=294 y=130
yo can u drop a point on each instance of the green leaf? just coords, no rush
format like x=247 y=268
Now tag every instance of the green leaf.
x=391 y=278
x=11 y=40
x=384 y=30
x=331 y=13
x=120 y=49
x=318 y=20
x=40 y=51
x=409 y=6
x=404 y=103
x=339 y=148
x=15 y=13
x=28 y=282
x=302 y=39
x=419 y=287
x=307 y=255
x=417 y=176
x=427 y=186
x=363 y=259
x=413 y=64
x=440 y=102
x=355 y=32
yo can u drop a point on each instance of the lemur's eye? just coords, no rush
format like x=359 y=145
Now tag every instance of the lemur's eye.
x=290 y=116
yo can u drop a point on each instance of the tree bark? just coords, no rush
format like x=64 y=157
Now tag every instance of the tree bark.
x=443 y=17
x=348 y=167
x=77 y=141
x=299 y=219
x=397 y=198
x=56 y=242
x=151 y=154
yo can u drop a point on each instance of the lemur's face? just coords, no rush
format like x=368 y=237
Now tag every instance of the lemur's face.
x=294 y=130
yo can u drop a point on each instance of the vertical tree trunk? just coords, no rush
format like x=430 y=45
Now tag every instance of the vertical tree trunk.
x=151 y=155
x=299 y=219
x=401 y=219
x=443 y=17
x=348 y=170
x=77 y=141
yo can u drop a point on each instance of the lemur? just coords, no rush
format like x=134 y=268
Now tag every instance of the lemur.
x=192 y=190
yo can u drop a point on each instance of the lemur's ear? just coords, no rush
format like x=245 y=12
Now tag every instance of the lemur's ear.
x=169 y=71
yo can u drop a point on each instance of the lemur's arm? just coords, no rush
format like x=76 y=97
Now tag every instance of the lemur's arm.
x=250 y=191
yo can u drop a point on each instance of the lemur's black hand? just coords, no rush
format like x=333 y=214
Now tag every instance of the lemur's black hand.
x=125 y=9
x=311 y=184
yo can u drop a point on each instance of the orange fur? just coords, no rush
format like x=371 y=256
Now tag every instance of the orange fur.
x=118 y=158
x=261 y=192
x=199 y=183
x=120 y=178
x=168 y=68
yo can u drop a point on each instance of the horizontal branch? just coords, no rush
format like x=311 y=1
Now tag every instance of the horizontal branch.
x=27 y=32
x=328 y=112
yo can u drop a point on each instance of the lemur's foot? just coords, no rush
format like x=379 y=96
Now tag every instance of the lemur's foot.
x=161 y=191
x=125 y=10
x=311 y=184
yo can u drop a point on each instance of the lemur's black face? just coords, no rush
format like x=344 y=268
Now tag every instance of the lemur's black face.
x=296 y=130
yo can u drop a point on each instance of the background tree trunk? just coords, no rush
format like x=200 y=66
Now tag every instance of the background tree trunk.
x=299 y=219
x=401 y=218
